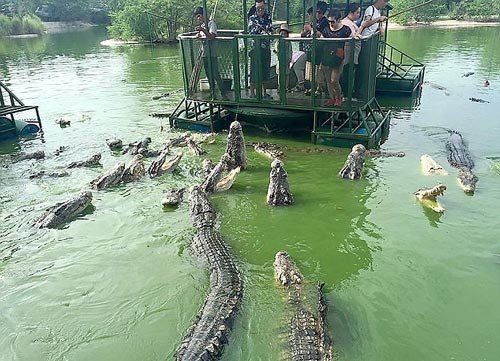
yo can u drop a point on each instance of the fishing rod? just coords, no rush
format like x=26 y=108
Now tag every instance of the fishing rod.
x=410 y=8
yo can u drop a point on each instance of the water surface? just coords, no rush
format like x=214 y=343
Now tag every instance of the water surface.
x=119 y=283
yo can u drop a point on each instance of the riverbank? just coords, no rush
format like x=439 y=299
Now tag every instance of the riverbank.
x=448 y=24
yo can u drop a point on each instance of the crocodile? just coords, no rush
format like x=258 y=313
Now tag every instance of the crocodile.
x=438 y=87
x=353 y=167
x=93 y=161
x=468 y=74
x=460 y=158
x=39 y=154
x=216 y=174
x=172 y=198
x=376 y=153
x=205 y=339
x=133 y=148
x=478 y=100
x=307 y=335
x=110 y=178
x=59 y=150
x=278 y=192
x=57 y=174
x=62 y=212
x=63 y=122
x=161 y=165
x=269 y=150
x=134 y=170
x=177 y=141
x=430 y=166
x=194 y=148
x=148 y=153
x=114 y=143
x=428 y=197
x=207 y=165
x=226 y=182
x=236 y=147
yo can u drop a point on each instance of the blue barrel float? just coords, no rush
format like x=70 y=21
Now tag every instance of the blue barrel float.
x=18 y=128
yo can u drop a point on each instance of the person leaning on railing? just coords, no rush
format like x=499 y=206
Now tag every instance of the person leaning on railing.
x=332 y=57
x=353 y=14
x=258 y=24
x=209 y=35
x=284 y=33
x=319 y=23
x=372 y=20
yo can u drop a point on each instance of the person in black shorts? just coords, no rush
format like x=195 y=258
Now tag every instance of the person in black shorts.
x=332 y=57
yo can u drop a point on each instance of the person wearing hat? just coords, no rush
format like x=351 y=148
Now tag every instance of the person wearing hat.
x=332 y=57
x=209 y=40
x=284 y=32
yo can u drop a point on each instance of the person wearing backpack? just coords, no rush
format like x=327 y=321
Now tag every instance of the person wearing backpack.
x=373 y=19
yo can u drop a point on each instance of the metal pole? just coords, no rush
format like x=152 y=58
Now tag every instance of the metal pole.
x=209 y=72
x=287 y=11
x=313 y=56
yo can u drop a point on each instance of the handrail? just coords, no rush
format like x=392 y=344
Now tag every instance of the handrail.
x=11 y=95
x=402 y=53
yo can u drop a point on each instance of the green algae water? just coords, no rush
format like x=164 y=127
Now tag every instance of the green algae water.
x=119 y=283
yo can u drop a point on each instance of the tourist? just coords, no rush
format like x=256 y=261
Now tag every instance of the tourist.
x=353 y=14
x=332 y=57
x=211 y=66
x=372 y=20
x=320 y=24
x=284 y=32
x=260 y=24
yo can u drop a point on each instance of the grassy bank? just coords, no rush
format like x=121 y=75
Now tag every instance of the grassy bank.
x=28 y=24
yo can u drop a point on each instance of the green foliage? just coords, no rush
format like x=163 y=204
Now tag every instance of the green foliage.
x=152 y=19
x=426 y=13
x=28 y=24
x=481 y=9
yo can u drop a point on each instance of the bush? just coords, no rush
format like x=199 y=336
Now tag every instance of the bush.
x=32 y=25
x=426 y=13
x=28 y=24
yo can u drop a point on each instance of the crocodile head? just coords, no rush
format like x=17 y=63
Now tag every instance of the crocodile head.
x=467 y=180
x=278 y=192
x=285 y=270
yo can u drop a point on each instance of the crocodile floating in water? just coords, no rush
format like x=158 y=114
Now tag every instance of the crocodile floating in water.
x=133 y=148
x=161 y=165
x=460 y=158
x=438 y=87
x=430 y=166
x=59 y=150
x=478 y=100
x=63 y=122
x=63 y=212
x=57 y=174
x=376 y=153
x=134 y=170
x=353 y=167
x=177 y=141
x=207 y=336
x=114 y=143
x=194 y=148
x=172 y=198
x=39 y=154
x=278 y=192
x=308 y=338
x=428 y=197
x=466 y=75
x=269 y=150
x=236 y=147
x=93 y=161
x=110 y=178
x=207 y=165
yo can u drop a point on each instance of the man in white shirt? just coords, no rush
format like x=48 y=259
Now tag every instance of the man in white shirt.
x=209 y=40
x=373 y=20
